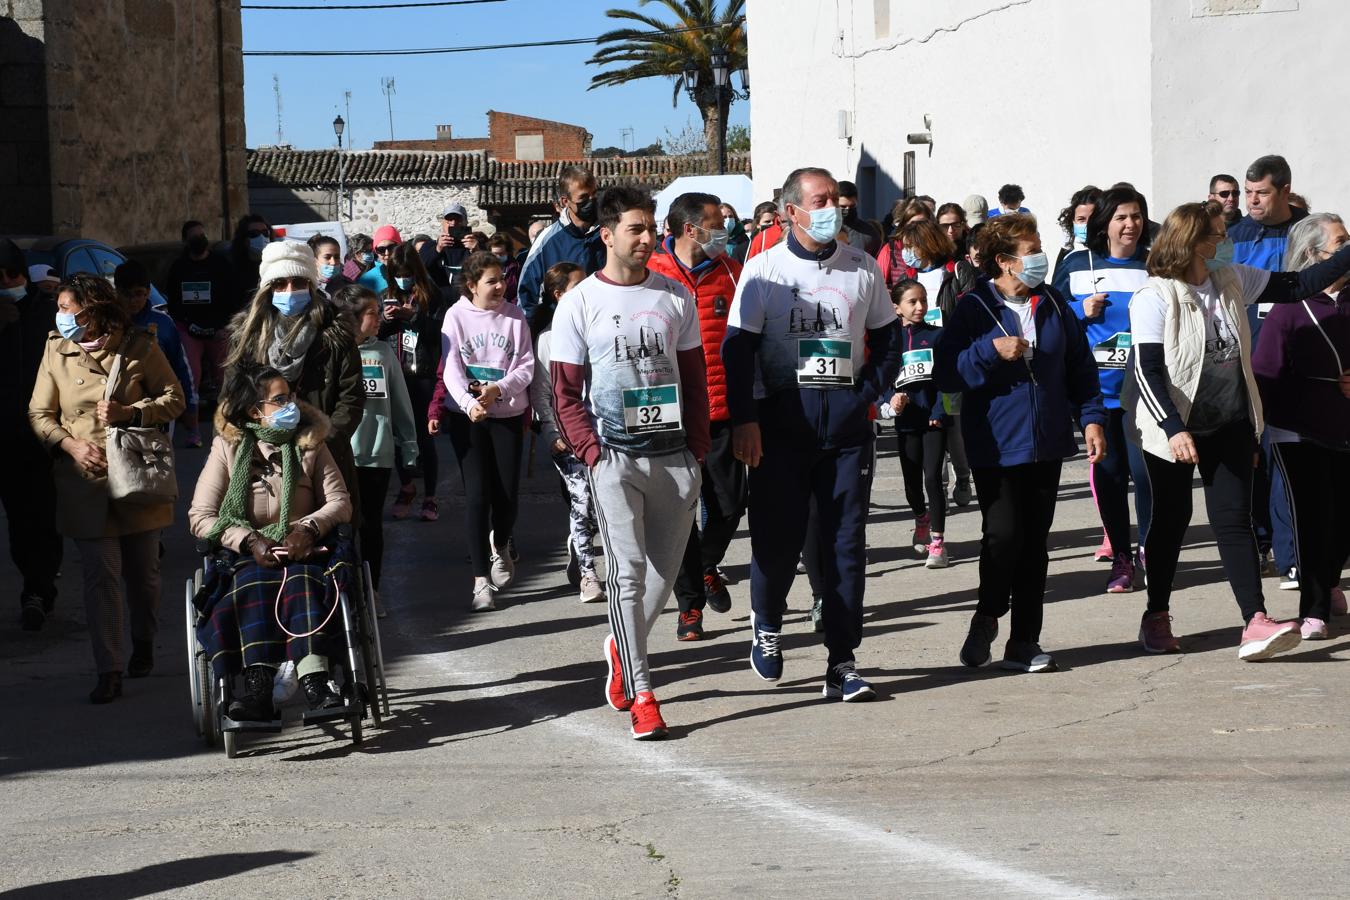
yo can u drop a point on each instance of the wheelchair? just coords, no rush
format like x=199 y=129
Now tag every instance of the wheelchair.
x=363 y=687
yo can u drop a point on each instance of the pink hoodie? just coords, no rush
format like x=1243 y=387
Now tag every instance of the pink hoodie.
x=488 y=346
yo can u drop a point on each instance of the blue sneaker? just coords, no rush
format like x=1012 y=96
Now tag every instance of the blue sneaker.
x=765 y=657
x=842 y=682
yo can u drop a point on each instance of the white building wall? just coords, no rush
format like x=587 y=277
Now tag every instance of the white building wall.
x=1050 y=94
x=411 y=210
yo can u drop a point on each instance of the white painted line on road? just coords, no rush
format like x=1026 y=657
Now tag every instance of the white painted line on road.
x=666 y=760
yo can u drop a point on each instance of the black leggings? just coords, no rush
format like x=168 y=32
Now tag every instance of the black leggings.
x=1317 y=479
x=489 y=463
x=420 y=390
x=374 y=484
x=1226 y=467
x=921 y=461
x=1018 y=506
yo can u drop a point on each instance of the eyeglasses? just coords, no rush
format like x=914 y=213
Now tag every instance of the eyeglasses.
x=950 y=226
x=278 y=400
x=385 y=249
x=1224 y=195
x=295 y=283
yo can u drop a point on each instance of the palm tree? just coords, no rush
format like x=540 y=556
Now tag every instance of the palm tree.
x=664 y=49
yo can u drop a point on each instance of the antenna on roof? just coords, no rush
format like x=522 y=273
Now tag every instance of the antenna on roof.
x=626 y=138
x=387 y=85
x=351 y=140
x=276 y=89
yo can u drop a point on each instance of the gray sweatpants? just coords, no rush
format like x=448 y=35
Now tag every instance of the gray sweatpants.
x=644 y=506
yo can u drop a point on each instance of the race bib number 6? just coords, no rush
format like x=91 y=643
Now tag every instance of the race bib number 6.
x=651 y=409
x=825 y=363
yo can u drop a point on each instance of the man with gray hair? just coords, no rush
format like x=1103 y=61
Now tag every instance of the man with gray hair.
x=574 y=238
x=812 y=342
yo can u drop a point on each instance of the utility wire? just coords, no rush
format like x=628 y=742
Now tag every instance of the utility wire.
x=426 y=51
x=375 y=5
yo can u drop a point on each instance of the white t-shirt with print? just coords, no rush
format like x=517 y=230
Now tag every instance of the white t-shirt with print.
x=627 y=337
x=812 y=316
x=1221 y=395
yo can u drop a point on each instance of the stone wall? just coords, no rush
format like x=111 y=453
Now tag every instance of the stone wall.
x=25 y=174
x=142 y=129
x=410 y=210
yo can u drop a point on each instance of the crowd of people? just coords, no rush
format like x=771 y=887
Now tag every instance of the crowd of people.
x=682 y=374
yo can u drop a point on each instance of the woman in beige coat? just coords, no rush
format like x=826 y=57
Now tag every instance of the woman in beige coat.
x=118 y=541
x=271 y=492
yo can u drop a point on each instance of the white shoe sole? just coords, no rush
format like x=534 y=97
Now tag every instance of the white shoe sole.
x=1014 y=666
x=829 y=692
x=937 y=562
x=1252 y=651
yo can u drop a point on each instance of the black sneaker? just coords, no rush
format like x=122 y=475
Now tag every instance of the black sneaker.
x=818 y=614
x=142 y=661
x=961 y=495
x=715 y=592
x=319 y=694
x=690 y=627
x=33 y=612
x=256 y=703
x=1027 y=656
x=842 y=682
x=975 y=651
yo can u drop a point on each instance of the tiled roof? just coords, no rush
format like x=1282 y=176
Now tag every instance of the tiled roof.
x=503 y=183
x=374 y=168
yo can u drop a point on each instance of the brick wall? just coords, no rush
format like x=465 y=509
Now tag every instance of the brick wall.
x=561 y=141
x=434 y=144
x=119 y=130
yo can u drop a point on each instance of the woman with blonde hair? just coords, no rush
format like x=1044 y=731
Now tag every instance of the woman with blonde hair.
x=1191 y=400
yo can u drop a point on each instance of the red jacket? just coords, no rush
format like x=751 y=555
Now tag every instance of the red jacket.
x=764 y=240
x=713 y=288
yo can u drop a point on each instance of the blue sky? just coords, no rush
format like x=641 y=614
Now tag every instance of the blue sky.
x=456 y=89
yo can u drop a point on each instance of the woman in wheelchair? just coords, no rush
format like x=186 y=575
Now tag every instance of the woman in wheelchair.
x=271 y=492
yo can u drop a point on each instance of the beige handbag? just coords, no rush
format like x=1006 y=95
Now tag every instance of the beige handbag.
x=140 y=460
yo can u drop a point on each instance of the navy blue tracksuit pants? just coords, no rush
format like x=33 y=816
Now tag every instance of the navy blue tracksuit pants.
x=781 y=490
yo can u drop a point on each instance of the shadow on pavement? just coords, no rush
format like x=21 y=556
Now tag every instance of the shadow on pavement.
x=168 y=876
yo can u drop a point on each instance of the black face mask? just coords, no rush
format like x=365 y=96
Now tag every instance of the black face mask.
x=586 y=211
x=197 y=244
x=851 y=215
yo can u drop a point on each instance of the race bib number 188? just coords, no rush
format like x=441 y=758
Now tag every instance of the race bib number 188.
x=825 y=363
x=651 y=409
x=916 y=365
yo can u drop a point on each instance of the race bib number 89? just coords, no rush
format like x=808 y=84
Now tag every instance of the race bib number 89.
x=651 y=409
x=377 y=385
x=825 y=363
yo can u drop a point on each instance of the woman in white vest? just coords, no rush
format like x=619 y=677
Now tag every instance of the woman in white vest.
x=1191 y=401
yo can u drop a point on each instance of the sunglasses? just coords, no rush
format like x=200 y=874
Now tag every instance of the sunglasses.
x=385 y=249
x=1224 y=195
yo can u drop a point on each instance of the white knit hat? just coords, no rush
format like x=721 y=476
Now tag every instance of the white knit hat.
x=287 y=259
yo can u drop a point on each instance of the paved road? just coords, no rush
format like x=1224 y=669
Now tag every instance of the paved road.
x=501 y=774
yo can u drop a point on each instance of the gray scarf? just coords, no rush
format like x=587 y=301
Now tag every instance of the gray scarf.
x=290 y=343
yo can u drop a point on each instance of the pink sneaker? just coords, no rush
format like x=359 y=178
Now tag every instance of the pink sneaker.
x=1121 y=580
x=1338 y=607
x=1263 y=638
x=922 y=534
x=1104 y=553
x=1155 y=633
x=1314 y=630
x=403 y=502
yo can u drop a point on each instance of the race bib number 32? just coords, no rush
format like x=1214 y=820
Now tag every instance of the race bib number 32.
x=825 y=363
x=651 y=409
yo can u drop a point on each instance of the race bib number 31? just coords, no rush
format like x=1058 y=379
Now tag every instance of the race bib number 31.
x=377 y=385
x=825 y=363
x=651 y=409
x=1113 y=352
x=916 y=365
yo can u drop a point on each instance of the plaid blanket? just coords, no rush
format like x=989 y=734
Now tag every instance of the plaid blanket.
x=239 y=627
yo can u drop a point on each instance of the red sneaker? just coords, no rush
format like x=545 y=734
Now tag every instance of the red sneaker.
x=403 y=502
x=647 y=722
x=1155 y=633
x=614 y=694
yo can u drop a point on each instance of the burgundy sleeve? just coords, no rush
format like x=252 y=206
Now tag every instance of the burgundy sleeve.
x=437 y=408
x=574 y=422
x=694 y=390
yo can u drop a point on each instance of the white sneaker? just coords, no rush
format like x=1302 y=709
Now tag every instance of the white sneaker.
x=591 y=591
x=483 y=598
x=1290 y=580
x=502 y=568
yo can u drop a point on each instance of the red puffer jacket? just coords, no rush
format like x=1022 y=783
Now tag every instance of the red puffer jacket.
x=713 y=286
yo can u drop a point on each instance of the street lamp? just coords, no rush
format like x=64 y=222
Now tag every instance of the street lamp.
x=338 y=127
x=720 y=63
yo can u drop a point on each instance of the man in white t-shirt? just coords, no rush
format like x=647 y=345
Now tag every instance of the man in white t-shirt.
x=812 y=342
x=628 y=340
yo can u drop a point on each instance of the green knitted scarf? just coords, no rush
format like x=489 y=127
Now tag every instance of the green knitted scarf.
x=234 y=507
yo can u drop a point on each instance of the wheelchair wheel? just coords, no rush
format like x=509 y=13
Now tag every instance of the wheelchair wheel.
x=378 y=686
x=194 y=683
x=231 y=745
x=210 y=692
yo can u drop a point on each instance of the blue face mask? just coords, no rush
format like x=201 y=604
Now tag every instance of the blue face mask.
x=1223 y=256
x=1080 y=232
x=911 y=258
x=14 y=293
x=291 y=303
x=68 y=327
x=1034 y=269
x=404 y=284
x=327 y=272
x=257 y=243
x=824 y=225
x=286 y=418
x=366 y=258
